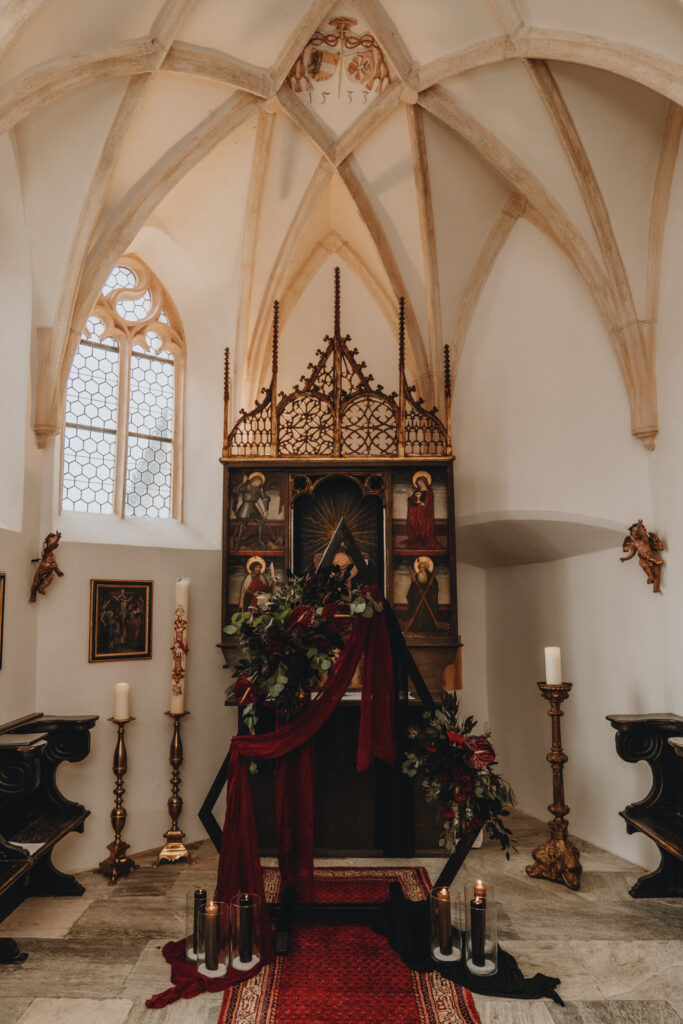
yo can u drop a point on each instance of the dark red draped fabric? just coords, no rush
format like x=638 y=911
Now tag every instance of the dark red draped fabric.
x=239 y=867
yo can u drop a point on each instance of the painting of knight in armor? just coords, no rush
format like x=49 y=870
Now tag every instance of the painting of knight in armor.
x=420 y=512
x=257 y=512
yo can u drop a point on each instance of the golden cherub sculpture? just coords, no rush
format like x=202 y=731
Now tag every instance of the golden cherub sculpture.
x=47 y=566
x=646 y=545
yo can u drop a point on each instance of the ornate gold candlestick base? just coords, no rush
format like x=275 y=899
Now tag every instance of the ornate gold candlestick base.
x=557 y=859
x=174 y=850
x=117 y=863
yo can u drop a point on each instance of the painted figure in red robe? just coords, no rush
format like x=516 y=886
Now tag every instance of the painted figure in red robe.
x=255 y=583
x=420 y=518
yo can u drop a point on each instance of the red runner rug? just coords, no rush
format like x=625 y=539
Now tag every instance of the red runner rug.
x=343 y=973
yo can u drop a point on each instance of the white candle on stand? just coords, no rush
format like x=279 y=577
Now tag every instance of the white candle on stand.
x=179 y=647
x=553 y=666
x=121 y=702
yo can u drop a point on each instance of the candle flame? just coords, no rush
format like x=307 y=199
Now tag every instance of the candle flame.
x=443 y=892
x=479 y=888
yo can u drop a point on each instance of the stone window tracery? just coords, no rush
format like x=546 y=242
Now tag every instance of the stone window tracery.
x=122 y=449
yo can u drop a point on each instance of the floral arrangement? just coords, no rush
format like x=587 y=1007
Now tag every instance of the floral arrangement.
x=455 y=769
x=287 y=646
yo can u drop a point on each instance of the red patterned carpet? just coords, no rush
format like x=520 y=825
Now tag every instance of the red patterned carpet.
x=344 y=974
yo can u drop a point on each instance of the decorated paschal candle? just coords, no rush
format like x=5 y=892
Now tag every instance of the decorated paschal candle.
x=443 y=903
x=179 y=646
x=478 y=923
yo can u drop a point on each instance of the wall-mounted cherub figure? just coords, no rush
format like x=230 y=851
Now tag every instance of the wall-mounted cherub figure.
x=645 y=545
x=47 y=566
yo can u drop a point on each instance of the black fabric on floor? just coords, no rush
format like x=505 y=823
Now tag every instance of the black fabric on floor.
x=405 y=923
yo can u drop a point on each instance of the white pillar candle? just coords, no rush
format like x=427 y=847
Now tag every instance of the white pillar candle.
x=121 y=702
x=179 y=646
x=553 y=666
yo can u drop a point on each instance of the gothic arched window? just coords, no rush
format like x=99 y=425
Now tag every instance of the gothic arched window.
x=123 y=419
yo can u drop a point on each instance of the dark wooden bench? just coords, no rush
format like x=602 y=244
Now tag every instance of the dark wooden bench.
x=34 y=815
x=660 y=815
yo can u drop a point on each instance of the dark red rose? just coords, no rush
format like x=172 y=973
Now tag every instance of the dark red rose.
x=244 y=690
x=442 y=776
x=331 y=613
x=482 y=753
x=456 y=739
x=430 y=748
x=447 y=812
x=301 y=619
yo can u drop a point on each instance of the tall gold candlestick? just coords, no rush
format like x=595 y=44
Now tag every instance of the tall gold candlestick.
x=557 y=858
x=175 y=849
x=117 y=863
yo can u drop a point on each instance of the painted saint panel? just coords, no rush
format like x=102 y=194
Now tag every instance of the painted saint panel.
x=421 y=590
x=257 y=512
x=251 y=579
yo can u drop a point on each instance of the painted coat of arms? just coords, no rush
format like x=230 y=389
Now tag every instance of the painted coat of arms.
x=350 y=58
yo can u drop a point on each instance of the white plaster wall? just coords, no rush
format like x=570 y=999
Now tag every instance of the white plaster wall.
x=604 y=618
x=19 y=464
x=68 y=684
x=541 y=418
x=15 y=337
x=472 y=626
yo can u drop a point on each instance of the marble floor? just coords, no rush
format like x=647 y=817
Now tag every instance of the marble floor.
x=94 y=960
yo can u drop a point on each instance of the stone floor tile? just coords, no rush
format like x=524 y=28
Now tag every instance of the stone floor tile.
x=76 y=1011
x=677 y=1008
x=65 y=976
x=203 y=1009
x=637 y=970
x=142 y=917
x=151 y=973
x=512 y=1011
x=45 y=917
x=613 y=1012
x=11 y=1008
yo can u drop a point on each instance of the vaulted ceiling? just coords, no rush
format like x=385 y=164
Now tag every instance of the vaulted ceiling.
x=405 y=139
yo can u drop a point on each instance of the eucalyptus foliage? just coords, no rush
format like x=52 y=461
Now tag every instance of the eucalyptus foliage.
x=287 y=647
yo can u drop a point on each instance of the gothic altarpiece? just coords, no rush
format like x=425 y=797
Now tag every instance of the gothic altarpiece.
x=337 y=444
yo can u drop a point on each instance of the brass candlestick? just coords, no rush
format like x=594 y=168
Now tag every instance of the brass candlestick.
x=175 y=849
x=557 y=858
x=117 y=863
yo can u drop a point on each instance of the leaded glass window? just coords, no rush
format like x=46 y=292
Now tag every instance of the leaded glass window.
x=122 y=450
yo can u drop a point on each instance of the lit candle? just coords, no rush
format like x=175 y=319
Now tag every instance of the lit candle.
x=553 y=666
x=179 y=646
x=443 y=910
x=478 y=923
x=121 y=702
x=246 y=928
x=199 y=902
x=211 y=936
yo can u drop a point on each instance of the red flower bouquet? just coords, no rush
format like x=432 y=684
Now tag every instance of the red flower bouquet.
x=454 y=770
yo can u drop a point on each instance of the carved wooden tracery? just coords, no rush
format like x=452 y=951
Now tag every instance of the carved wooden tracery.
x=336 y=410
